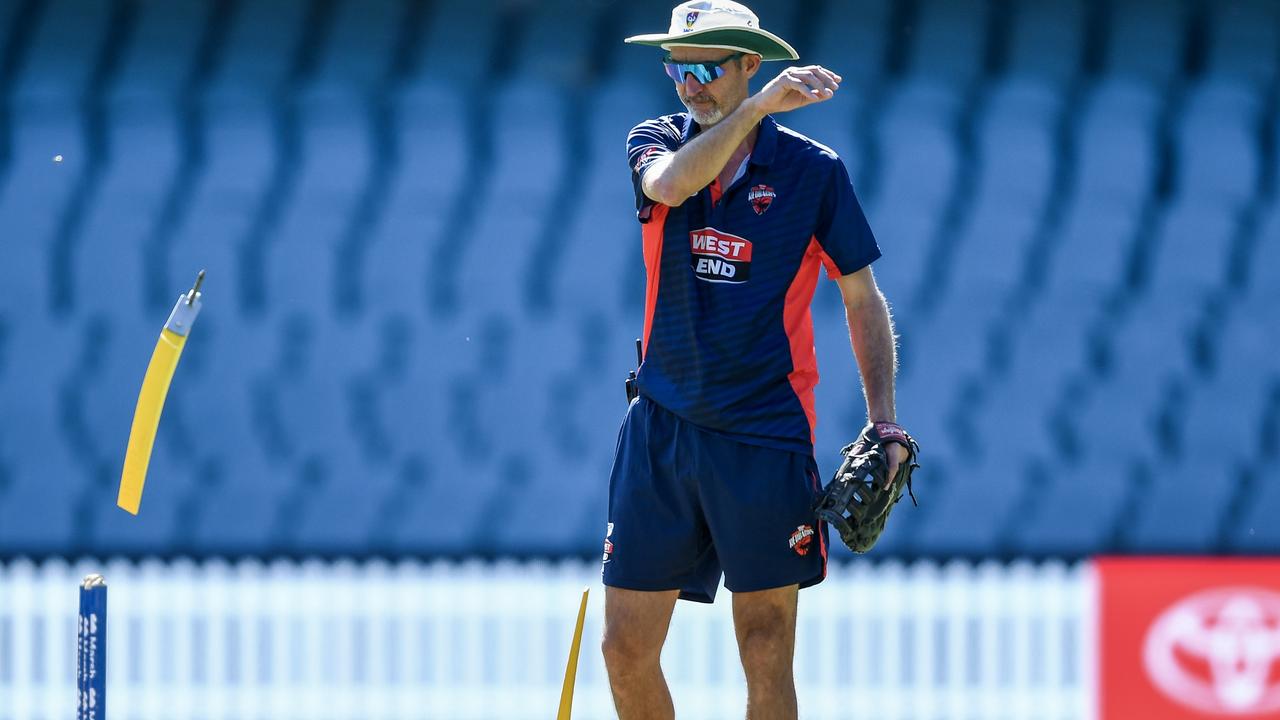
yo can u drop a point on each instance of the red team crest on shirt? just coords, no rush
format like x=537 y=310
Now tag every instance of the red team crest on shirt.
x=761 y=197
x=801 y=539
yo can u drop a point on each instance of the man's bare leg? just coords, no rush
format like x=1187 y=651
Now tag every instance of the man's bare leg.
x=765 y=623
x=635 y=627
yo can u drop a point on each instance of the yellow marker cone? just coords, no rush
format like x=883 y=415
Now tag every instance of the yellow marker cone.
x=155 y=387
x=571 y=669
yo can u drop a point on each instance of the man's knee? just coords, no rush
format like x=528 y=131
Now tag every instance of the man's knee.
x=628 y=647
x=765 y=626
x=766 y=640
x=635 y=627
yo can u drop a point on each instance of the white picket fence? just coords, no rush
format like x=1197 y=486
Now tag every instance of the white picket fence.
x=488 y=641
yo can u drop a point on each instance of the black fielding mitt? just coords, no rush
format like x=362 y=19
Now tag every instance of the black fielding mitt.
x=856 y=503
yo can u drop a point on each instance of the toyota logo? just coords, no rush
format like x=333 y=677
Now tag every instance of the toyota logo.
x=1218 y=651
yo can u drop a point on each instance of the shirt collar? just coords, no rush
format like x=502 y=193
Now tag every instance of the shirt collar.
x=766 y=140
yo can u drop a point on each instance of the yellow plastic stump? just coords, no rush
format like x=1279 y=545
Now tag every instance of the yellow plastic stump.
x=155 y=387
x=571 y=669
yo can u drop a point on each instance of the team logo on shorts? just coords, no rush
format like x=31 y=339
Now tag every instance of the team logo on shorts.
x=720 y=257
x=761 y=197
x=801 y=538
x=690 y=19
x=608 y=544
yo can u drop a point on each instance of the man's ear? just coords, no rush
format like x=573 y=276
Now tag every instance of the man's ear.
x=751 y=65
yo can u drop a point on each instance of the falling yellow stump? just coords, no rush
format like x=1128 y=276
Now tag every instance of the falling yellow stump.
x=155 y=387
x=571 y=669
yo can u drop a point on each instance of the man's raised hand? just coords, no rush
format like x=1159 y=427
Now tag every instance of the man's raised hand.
x=796 y=87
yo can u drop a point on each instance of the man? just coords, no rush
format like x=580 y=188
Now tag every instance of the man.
x=714 y=469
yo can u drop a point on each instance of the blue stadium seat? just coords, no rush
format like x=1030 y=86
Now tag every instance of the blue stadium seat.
x=306 y=392
x=259 y=51
x=217 y=220
x=334 y=167
x=459 y=42
x=219 y=397
x=39 y=499
x=1016 y=168
x=601 y=242
x=1219 y=162
x=337 y=504
x=531 y=154
x=1118 y=418
x=428 y=176
x=49 y=75
x=949 y=40
x=1264 y=284
x=361 y=44
x=1046 y=41
x=35 y=191
x=161 y=52
x=1146 y=39
x=445 y=514
x=1079 y=509
x=162 y=523
x=1256 y=529
x=635 y=63
x=1184 y=507
x=918 y=149
x=549 y=53
x=945 y=351
x=838 y=124
x=1091 y=250
x=969 y=513
x=543 y=510
x=114 y=355
x=1017 y=145
x=1115 y=140
x=850 y=38
x=10 y=17
x=111 y=255
x=1244 y=37
x=1240 y=401
x=1192 y=250
x=1245 y=342
x=919 y=166
x=41 y=476
x=1047 y=352
x=1115 y=172
x=241 y=508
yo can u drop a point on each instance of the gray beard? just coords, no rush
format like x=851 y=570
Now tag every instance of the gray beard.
x=706 y=119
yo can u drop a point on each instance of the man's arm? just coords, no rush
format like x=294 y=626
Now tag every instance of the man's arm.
x=673 y=178
x=874 y=343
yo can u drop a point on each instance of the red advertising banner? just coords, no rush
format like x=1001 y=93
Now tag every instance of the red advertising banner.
x=1188 y=638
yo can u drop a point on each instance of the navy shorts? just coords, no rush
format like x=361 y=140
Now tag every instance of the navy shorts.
x=687 y=504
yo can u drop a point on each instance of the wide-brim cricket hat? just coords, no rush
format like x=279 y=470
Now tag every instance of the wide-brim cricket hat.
x=718 y=24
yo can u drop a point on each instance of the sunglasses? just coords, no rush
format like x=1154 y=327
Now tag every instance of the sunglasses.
x=703 y=72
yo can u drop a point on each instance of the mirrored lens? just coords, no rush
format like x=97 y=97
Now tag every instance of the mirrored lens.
x=702 y=72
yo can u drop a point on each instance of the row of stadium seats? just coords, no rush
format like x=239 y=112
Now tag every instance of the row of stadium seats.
x=424 y=281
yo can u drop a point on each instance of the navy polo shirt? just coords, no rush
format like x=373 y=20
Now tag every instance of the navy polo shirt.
x=728 y=336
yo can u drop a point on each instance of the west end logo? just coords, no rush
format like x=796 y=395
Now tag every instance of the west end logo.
x=720 y=257
x=761 y=197
x=690 y=19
